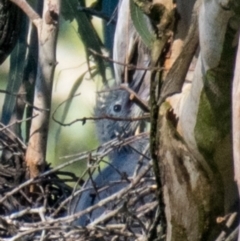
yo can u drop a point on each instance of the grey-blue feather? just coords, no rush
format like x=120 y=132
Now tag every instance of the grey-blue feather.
x=128 y=48
x=124 y=160
x=110 y=180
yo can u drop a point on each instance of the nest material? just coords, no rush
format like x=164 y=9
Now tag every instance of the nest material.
x=130 y=214
x=42 y=215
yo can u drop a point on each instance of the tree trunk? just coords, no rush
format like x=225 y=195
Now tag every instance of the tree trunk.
x=197 y=168
x=47 y=35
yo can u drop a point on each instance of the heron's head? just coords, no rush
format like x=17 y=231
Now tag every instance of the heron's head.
x=115 y=105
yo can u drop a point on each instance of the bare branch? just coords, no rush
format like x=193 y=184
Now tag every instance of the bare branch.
x=130 y=66
x=36 y=151
x=107 y=148
x=34 y=17
x=84 y=119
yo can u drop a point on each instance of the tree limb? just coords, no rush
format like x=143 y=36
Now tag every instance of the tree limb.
x=34 y=17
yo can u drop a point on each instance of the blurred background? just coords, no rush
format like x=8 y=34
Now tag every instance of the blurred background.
x=71 y=71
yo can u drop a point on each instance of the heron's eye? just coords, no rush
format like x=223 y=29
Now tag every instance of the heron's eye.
x=117 y=108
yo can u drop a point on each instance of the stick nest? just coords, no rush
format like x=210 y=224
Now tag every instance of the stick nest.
x=43 y=214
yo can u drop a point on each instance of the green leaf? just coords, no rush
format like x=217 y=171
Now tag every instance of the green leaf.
x=17 y=62
x=86 y=32
x=69 y=8
x=142 y=25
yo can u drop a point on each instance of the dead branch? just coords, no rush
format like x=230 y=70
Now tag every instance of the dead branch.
x=30 y=12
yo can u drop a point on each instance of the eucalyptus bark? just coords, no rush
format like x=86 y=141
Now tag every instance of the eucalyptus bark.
x=47 y=34
x=197 y=165
x=236 y=120
x=236 y=117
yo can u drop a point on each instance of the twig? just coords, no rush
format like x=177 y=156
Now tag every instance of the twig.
x=135 y=98
x=130 y=66
x=7 y=128
x=34 y=17
x=21 y=213
x=83 y=155
x=233 y=236
x=19 y=95
x=228 y=224
x=103 y=117
x=102 y=202
x=105 y=217
x=119 y=232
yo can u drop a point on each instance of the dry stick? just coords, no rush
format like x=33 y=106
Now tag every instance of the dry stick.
x=142 y=191
x=28 y=10
x=130 y=66
x=111 y=230
x=106 y=217
x=135 y=98
x=101 y=203
x=90 y=227
x=130 y=214
x=134 y=192
x=6 y=127
x=74 y=194
x=89 y=171
x=84 y=155
x=103 y=117
x=233 y=236
x=33 y=230
x=112 y=144
x=19 y=95
x=47 y=35
x=80 y=192
x=45 y=224
x=117 y=170
x=228 y=224
x=63 y=203
x=13 y=134
x=140 y=160
x=147 y=207
x=10 y=93
x=92 y=171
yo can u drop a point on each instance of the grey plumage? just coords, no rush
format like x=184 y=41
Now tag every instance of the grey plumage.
x=114 y=103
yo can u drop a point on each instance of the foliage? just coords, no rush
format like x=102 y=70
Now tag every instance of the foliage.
x=189 y=183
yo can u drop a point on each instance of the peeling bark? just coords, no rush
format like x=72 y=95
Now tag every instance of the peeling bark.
x=187 y=189
x=236 y=121
x=47 y=35
x=205 y=124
